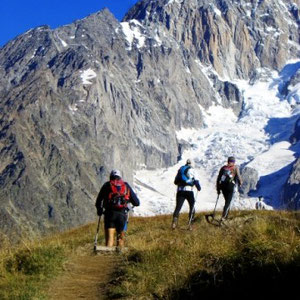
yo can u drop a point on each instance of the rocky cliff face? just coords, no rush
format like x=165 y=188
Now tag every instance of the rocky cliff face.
x=291 y=193
x=235 y=37
x=295 y=137
x=97 y=94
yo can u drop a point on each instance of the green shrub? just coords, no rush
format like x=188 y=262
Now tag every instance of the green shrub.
x=43 y=260
x=26 y=271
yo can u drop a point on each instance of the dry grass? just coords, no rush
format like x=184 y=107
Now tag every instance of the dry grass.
x=26 y=268
x=170 y=264
x=166 y=264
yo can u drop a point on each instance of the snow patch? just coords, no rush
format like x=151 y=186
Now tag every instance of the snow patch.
x=87 y=75
x=64 y=43
x=73 y=108
x=174 y=1
x=33 y=55
x=187 y=69
x=133 y=33
x=216 y=10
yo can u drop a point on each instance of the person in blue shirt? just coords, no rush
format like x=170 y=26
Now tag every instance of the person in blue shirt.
x=186 y=184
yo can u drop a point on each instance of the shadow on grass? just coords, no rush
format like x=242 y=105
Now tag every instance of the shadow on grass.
x=236 y=281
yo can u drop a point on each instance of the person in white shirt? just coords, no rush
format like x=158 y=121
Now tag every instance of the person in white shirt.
x=185 y=180
x=260 y=205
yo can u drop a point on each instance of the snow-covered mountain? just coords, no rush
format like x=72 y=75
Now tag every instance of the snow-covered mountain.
x=259 y=138
x=175 y=79
x=256 y=62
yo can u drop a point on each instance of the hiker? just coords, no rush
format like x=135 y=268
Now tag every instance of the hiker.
x=229 y=176
x=113 y=201
x=260 y=205
x=185 y=180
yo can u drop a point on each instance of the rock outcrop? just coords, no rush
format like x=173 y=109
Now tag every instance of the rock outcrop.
x=291 y=192
x=250 y=179
x=295 y=137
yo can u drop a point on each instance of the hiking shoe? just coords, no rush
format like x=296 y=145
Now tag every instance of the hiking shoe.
x=119 y=250
x=223 y=221
x=174 y=223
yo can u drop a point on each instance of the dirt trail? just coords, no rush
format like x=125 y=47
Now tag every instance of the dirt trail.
x=85 y=276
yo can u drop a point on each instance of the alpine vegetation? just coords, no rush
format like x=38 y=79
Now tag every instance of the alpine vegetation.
x=257 y=255
x=196 y=79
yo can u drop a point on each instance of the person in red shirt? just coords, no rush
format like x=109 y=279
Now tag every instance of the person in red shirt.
x=113 y=201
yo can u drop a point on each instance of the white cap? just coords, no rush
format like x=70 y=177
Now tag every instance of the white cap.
x=115 y=173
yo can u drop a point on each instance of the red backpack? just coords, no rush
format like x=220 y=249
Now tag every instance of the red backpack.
x=119 y=196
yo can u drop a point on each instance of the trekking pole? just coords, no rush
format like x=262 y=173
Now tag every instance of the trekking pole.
x=210 y=217
x=96 y=237
x=213 y=215
x=127 y=219
x=192 y=213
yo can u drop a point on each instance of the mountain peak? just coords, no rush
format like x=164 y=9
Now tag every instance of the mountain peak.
x=96 y=94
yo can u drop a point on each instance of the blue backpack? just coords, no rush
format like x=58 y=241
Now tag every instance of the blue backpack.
x=181 y=177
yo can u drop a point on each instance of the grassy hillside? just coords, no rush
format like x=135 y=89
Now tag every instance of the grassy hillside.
x=256 y=250
x=26 y=269
x=256 y=254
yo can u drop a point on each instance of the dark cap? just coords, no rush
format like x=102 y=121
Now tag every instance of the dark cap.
x=231 y=159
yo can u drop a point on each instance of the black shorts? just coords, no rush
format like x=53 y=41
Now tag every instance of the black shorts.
x=115 y=219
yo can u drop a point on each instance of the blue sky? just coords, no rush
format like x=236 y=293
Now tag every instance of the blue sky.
x=18 y=16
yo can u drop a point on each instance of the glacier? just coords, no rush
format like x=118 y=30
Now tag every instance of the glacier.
x=258 y=138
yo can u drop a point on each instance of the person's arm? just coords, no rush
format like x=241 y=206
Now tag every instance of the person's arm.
x=134 y=200
x=194 y=176
x=218 y=187
x=197 y=185
x=100 y=198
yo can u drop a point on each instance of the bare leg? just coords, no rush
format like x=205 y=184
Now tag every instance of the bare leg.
x=121 y=239
x=109 y=236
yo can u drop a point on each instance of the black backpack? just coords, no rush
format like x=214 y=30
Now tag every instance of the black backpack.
x=227 y=176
